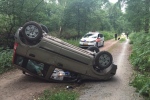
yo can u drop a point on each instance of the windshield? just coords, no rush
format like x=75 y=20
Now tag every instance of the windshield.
x=87 y=35
x=90 y=35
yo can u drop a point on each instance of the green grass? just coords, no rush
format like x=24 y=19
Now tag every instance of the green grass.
x=122 y=40
x=140 y=59
x=5 y=60
x=73 y=41
x=59 y=95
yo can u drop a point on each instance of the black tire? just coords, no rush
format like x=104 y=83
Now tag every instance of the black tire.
x=103 y=59
x=93 y=49
x=45 y=28
x=32 y=31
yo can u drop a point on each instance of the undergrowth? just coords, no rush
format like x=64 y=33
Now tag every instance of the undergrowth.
x=140 y=59
x=5 y=60
x=59 y=95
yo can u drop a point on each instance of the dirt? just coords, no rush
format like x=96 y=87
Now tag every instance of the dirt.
x=16 y=86
x=118 y=87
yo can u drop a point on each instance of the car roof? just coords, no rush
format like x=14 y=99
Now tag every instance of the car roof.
x=93 y=33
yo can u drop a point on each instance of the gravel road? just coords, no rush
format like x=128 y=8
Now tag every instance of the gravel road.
x=118 y=87
x=16 y=86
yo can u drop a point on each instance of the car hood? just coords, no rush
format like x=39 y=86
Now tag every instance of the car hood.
x=88 y=39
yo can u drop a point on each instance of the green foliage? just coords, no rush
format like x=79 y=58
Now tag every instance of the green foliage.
x=59 y=95
x=108 y=35
x=138 y=14
x=142 y=83
x=5 y=60
x=140 y=58
x=74 y=42
x=69 y=33
x=122 y=40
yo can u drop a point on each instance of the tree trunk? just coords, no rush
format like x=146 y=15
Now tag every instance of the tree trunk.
x=147 y=13
x=78 y=22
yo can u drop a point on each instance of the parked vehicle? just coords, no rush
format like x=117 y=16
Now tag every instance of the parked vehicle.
x=92 y=39
x=50 y=58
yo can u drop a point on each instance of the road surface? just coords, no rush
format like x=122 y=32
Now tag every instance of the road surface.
x=16 y=86
x=118 y=87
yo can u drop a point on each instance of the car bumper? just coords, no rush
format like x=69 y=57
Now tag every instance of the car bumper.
x=101 y=75
x=86 y=44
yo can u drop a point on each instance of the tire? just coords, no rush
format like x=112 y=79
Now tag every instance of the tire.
x=103 y=60
x=32 y=31
x=93 y=49
x=45 y=28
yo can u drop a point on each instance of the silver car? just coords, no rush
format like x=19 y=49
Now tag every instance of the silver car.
x=38 y=54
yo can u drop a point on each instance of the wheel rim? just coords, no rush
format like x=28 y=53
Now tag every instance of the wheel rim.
x=104 y=60
x=94 y=51
x=31 y=31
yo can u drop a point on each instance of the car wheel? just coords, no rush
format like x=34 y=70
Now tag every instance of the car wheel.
x=44 y=28
x=93 y=49
x=32 y=31
x=103 y=59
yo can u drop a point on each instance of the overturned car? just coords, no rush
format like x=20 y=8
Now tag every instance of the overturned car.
x=50 y=58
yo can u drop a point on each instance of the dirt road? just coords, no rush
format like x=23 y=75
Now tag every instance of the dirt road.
x=16 y=86
x=118 y=87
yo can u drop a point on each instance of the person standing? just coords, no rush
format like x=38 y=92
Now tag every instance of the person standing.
x=127 y=35
x=115 y=36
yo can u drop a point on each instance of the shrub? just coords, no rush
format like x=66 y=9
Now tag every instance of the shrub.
x=59 y=95
x=107 y=35
x=5 y=60
x=140 y=58
x=73 y=41
x=142 y=83
x=122 y=40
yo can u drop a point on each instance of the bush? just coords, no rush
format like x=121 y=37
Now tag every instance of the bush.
x=142 y=83
x=122 y=40
x=5 y=60
x=140 y=58
x=59 y=95
x=74 y=42
x=107 y=35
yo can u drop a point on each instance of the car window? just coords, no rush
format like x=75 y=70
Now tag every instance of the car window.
x=94 y=36
x=33 y=66
x=87 y=35
x=100 y=35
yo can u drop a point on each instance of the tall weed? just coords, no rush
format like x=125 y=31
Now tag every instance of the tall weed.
x=140 y=58
x=5 y=60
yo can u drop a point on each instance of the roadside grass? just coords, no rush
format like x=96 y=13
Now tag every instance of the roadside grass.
x=107 y=35
x=5 y=60
x=140 y=59
x=122 y=40
x=59 y=95
x=74 y=42
x=142 y=84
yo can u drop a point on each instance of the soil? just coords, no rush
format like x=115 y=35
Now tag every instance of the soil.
x=118 y=87
x=16 y=86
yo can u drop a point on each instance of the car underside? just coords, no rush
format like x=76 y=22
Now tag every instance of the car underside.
x=38 y=54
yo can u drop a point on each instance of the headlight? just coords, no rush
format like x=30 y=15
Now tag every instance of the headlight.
x=82 y=40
